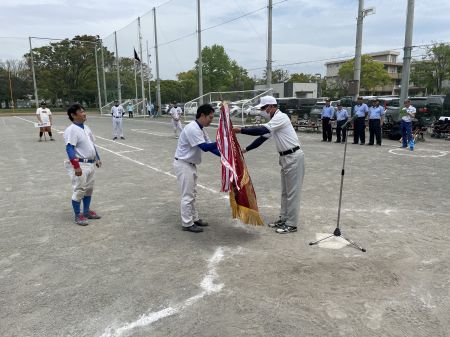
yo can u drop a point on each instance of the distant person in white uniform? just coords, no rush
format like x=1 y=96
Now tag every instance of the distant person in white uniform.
x=291 y=160
x=117 y=113
x=176 y=113
x=83 y=158
x=44 y=116
x=193 y=140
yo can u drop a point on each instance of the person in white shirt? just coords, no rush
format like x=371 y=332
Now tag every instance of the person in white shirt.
x=44 y=116
x=117 y=113
x=193 y=140
x=83 y=158
x=407 y=114
x=291 y=160
x=176 y=113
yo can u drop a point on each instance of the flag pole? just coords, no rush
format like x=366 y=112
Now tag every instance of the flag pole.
x=135 y=80
x=10 y=88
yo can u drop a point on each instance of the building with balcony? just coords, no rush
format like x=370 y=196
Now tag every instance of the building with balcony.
x=389 y=60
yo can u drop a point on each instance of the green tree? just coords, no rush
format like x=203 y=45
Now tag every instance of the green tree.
x=66 y=69
x=372 y=72
x=303 y=78
x=16 y=73
x=189 y=84
x=221 y=73
x=278 y=76
x=433 y=69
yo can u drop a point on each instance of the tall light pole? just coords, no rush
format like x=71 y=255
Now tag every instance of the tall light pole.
x=158 y=81
x=407 y=52
x=269 y=46
x=199 y=46
x=34 y=75
x=359 y=31
x=119 y=89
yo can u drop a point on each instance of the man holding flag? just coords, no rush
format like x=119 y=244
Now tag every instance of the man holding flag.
x=291 y=160
x=193 y=140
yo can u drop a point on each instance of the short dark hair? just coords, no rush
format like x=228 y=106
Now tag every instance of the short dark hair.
x=204 y=109
x=73 y=110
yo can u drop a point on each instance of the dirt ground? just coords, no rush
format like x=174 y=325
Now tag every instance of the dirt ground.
x=136 y=273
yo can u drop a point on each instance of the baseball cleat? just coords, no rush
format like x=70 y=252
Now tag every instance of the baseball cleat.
x=81 y=220
x=92 y=215
x=201 y=223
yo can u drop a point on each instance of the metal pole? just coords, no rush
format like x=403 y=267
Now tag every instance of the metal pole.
x=10 y=87
x=199 y=46
x=142 y=69
x=149 y=76
x=103 y=71
x=34 y=75
x=98 y=79
x=359 y=31
x=269 y=46
x=158 y=81
x=135 y=80
x=407 y=52
x=119 y=86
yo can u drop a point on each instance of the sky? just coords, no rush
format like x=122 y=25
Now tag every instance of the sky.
x=305 y=32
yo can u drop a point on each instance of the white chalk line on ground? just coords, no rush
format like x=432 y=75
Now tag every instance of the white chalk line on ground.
x=407 y=152
x=145 y=131
x=119 y=153
x=208 y=285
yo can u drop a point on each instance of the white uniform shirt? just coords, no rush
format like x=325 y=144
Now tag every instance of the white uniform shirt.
x=117 y=111
x=82 y=139
x=176 y=113
x=44 y=113
x=405 y=113
x=283 y=132
x=187 y=149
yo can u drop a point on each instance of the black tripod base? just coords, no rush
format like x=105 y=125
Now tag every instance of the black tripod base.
x=337 y=232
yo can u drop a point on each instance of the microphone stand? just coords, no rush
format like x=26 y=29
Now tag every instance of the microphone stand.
x=337 y=231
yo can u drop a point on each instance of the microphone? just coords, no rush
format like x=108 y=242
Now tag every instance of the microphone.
x=349 y=121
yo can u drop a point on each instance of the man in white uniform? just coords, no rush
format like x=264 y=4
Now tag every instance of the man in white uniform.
x=193 y=140
x=44 y=116
x=117 y=113
x=291 y=160
x=176 y=113
x=83 y=158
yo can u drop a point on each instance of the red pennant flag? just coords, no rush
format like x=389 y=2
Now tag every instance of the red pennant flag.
x=235 y=176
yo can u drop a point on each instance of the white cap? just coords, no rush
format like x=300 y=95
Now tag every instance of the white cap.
x=267 y=100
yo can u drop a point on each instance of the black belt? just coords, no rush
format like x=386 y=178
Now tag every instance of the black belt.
x=84 y=160
x=284 y=153
x=185 y=161
x=117 y=117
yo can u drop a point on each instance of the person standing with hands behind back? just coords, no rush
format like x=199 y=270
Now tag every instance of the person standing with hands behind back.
x=359 y=127
x=327 y=115
x=117 y=113
x=341 y=119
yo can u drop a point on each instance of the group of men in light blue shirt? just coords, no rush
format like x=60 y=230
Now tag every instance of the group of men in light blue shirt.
x=361 y=111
